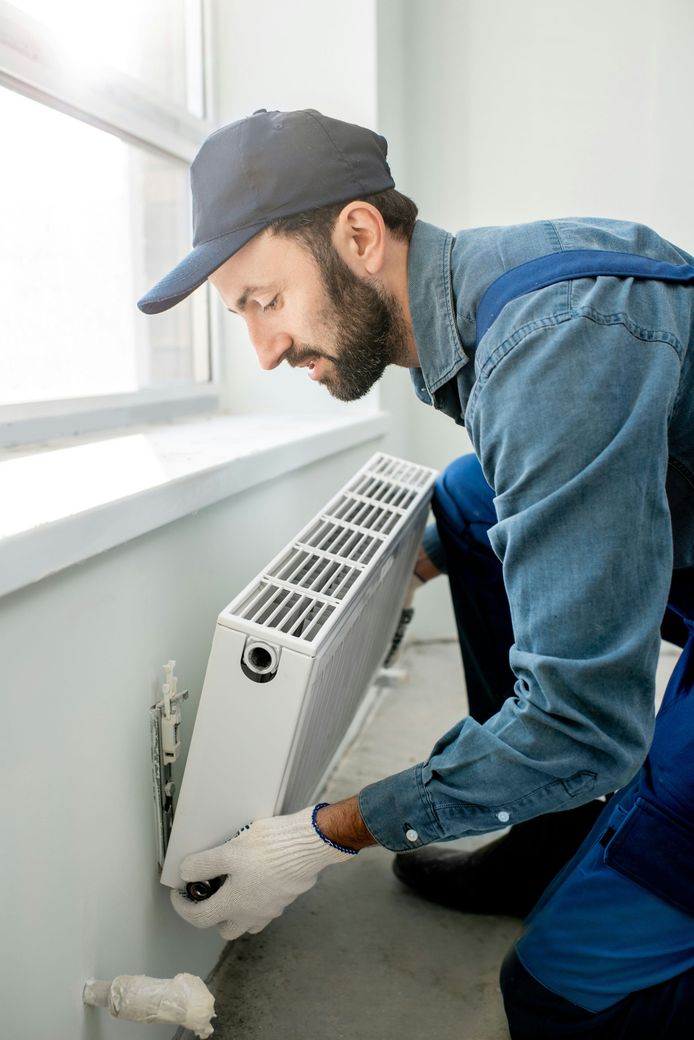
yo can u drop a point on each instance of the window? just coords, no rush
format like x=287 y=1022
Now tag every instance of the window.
x=101 y=109
x=154 y=41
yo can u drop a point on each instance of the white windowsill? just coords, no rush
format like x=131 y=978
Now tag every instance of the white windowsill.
x=67 y=501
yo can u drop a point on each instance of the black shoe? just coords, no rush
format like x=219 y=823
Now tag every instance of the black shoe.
x=508 y=875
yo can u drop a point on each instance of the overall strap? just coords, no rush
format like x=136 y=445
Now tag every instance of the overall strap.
x=573 y=263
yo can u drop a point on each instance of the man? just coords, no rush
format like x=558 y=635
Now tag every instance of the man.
x=564 y=348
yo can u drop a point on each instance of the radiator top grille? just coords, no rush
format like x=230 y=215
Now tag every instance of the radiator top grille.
x=300 y=591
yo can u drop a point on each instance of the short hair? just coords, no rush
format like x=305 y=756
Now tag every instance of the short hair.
x=315 y=226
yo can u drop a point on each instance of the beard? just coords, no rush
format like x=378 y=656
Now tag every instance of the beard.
x=366 y=324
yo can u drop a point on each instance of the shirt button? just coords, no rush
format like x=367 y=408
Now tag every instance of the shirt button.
x=503 y=816
x=411 y=835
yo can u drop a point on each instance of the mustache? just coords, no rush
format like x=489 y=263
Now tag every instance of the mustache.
x=298 y=355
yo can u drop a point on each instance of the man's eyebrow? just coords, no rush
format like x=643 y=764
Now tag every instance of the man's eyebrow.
x=243 y=298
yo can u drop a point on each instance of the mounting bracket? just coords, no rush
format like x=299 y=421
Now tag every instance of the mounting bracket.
x=164 y=726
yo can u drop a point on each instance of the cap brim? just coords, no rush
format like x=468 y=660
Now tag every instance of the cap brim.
x=195 y=269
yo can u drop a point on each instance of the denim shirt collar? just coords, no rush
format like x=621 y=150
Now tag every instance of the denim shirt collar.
x=432 y=306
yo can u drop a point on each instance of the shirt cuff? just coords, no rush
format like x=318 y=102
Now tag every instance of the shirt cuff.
x=398 y=813
x=433 y=547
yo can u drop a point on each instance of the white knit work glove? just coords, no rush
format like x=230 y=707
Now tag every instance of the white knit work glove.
x=269 y=863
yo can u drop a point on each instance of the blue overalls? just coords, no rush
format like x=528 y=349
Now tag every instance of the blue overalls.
x=609 y=949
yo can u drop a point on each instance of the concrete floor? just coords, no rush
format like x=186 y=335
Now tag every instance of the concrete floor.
x=359 y=955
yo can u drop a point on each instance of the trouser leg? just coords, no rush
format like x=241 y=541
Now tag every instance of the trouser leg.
x=464 y=510
x=608 y=952
x=665 y=1011
x=463 y=504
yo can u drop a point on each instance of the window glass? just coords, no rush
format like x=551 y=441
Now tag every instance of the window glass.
x=148 y=39
x=89 y=223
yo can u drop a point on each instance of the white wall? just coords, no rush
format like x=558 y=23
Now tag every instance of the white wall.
x=519 y=111
x=302 y=54
x=503 y=111
x=81 y=655
x=512 y=111
x=526 y=110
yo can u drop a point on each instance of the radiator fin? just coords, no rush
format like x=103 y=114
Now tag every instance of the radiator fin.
x=300 y=592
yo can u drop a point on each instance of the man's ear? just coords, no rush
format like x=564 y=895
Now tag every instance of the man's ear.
x=359 y=236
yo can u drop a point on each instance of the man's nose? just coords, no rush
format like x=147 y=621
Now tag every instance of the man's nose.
x=269 y=346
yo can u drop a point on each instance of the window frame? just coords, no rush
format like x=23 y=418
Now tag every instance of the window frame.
x=33 y=65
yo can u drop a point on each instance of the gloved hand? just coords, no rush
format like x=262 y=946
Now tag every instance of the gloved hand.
x=269 y=864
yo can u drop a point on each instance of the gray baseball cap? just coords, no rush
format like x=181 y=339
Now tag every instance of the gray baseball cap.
x=269 y=165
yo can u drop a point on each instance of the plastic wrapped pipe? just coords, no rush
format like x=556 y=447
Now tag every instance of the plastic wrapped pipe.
x=184 y=1000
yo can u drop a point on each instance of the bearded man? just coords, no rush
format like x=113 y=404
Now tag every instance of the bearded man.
x=563 y=346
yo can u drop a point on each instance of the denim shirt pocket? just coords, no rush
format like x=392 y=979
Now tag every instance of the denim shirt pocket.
x=655 y=848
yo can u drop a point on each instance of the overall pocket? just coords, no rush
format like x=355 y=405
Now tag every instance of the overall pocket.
x=655 y=848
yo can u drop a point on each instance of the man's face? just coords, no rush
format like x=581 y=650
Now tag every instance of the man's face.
x=312 y=313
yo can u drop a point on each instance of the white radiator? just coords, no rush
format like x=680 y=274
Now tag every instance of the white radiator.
x=293 y=656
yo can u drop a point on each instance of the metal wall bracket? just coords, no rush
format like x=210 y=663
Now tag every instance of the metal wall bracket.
x=164 y=726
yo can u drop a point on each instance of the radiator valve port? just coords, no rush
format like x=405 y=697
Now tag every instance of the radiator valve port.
x=259 y=660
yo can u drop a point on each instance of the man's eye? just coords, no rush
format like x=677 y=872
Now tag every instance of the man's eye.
x=271 y=305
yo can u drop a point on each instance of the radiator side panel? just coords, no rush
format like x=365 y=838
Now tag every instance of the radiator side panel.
x=238 y=751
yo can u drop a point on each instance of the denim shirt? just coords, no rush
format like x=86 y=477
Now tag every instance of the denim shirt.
x=579 y=401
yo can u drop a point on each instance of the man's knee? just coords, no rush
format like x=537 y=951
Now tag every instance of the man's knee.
x=463 y=482
x=665 y=1010
x=535 y=1013
x=510 y=981
x=463 y=500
